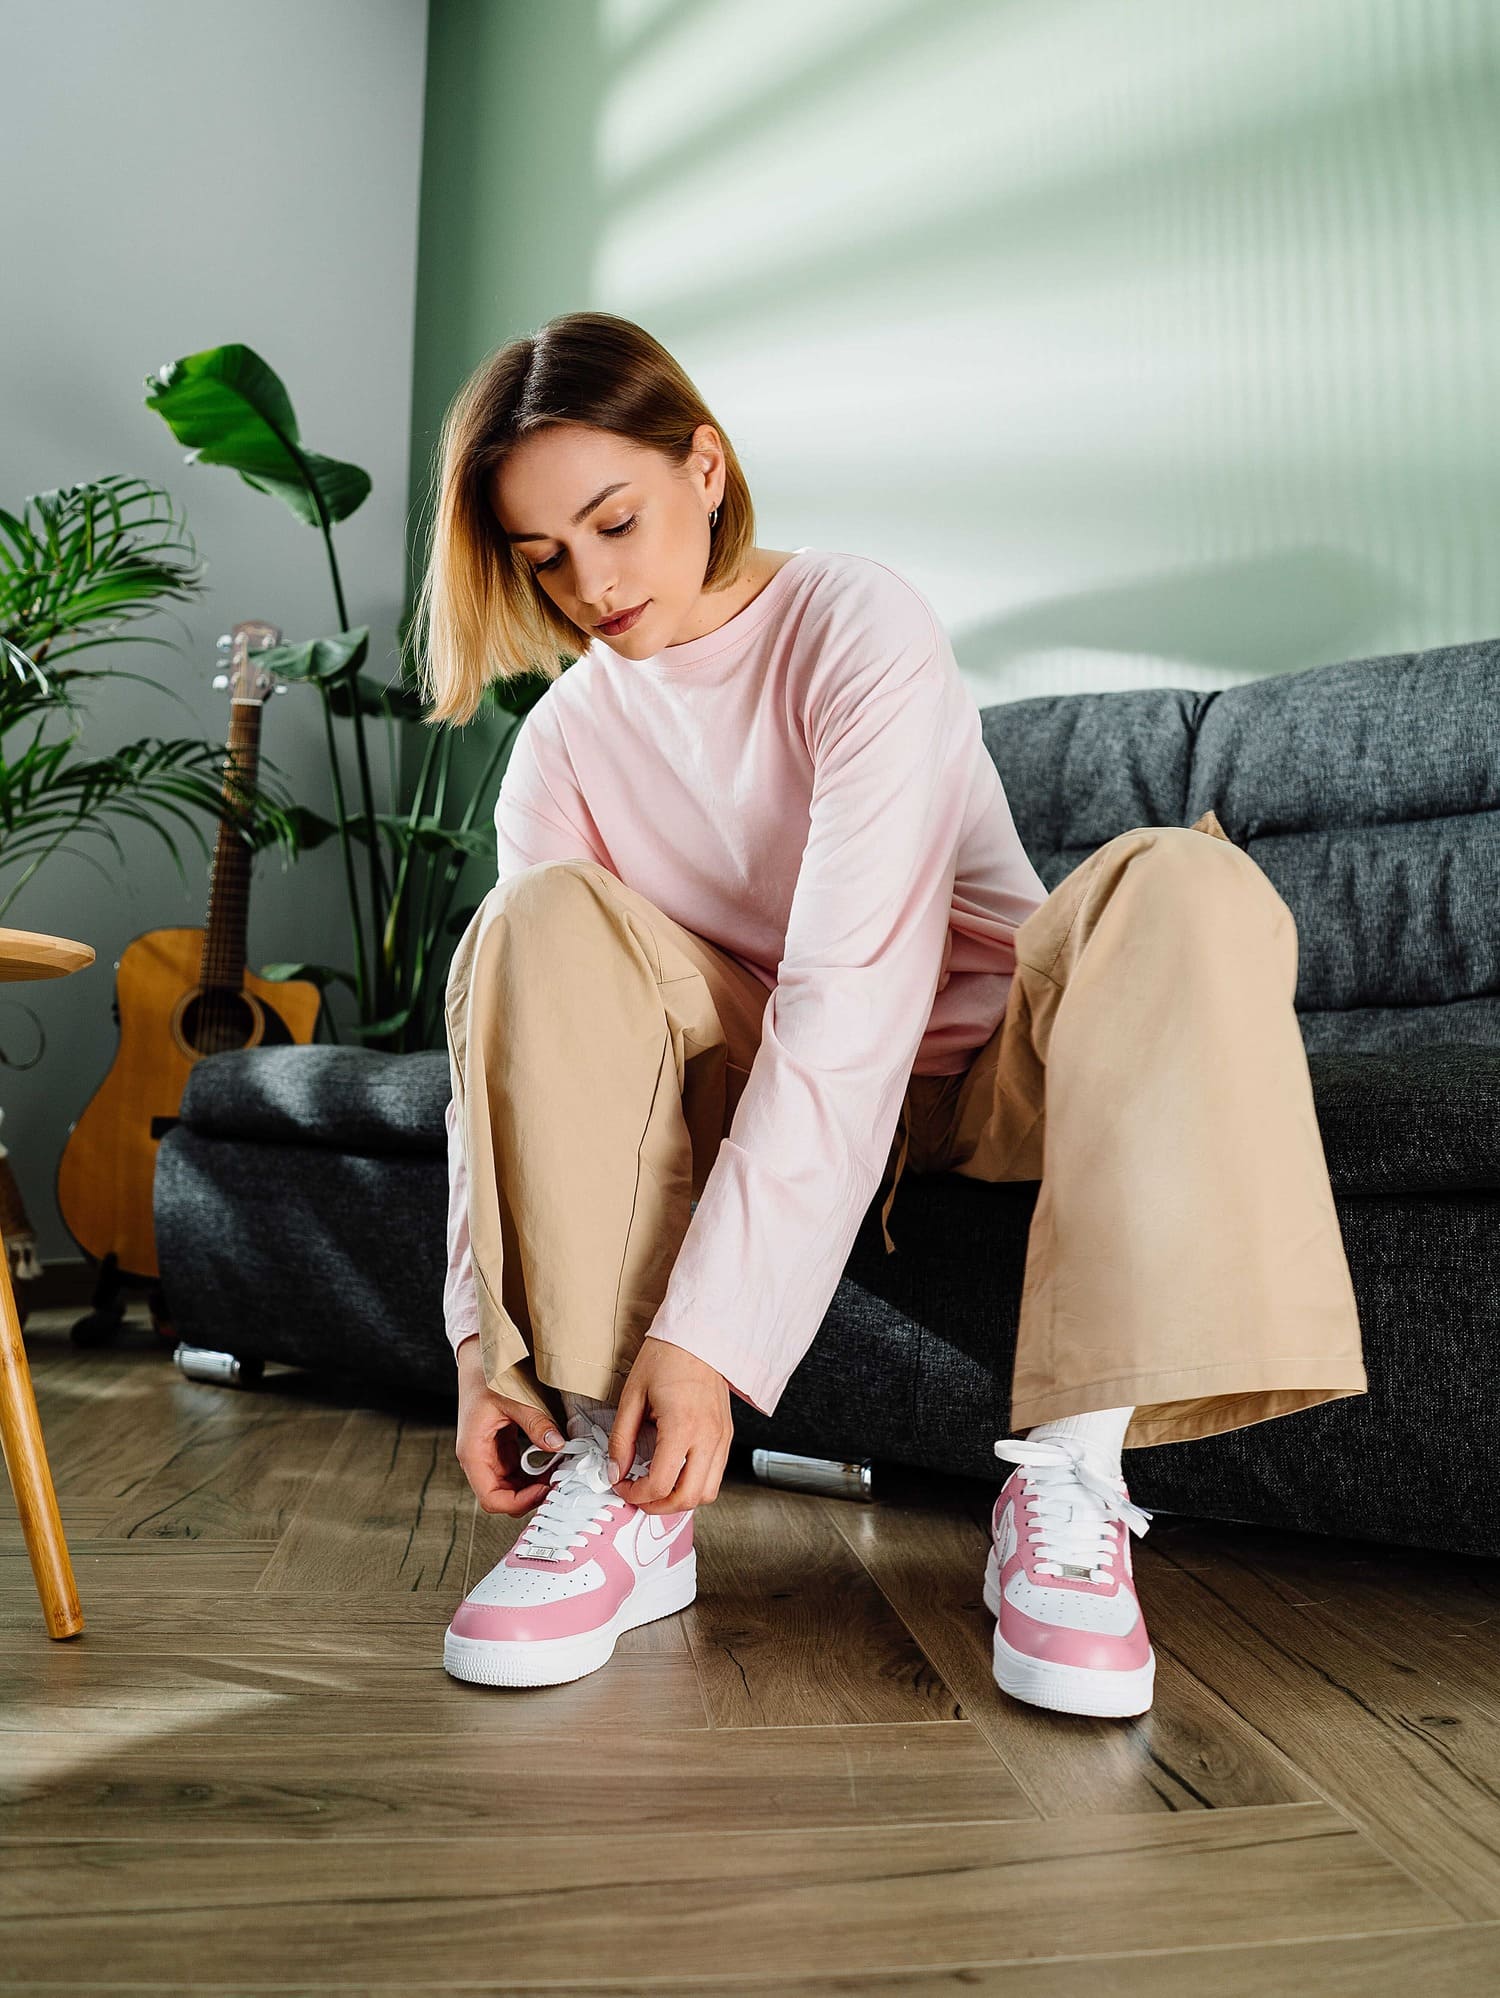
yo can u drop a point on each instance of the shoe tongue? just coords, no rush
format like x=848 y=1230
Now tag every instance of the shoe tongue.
x=1081 y=1505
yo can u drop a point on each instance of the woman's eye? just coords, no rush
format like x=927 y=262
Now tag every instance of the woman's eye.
x=624 y=528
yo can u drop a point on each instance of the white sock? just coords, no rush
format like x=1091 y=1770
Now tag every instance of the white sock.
x=1101 y=1431
x=583 y=1411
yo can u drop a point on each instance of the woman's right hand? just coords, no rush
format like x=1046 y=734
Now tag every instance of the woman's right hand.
x=492 y=1433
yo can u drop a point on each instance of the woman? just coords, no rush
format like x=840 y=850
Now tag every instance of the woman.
x=764 y=928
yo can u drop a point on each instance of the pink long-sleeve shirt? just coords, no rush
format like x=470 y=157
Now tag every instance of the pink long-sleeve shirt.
x=808 y=788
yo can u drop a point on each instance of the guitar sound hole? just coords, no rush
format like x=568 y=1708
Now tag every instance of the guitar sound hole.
x=217 y=1022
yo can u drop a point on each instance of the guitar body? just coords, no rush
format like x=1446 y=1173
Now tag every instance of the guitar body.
x=168 y=1020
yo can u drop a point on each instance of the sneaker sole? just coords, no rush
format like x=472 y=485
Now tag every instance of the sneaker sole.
x=552 y=1661
x=1068 y=1689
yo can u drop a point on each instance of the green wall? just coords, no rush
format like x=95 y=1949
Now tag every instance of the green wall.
x=1155 y=341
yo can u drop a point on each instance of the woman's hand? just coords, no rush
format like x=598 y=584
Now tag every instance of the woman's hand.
x=492 y=1433
x=688 y=1400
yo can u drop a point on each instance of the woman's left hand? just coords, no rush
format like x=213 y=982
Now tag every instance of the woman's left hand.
x=688 y=1400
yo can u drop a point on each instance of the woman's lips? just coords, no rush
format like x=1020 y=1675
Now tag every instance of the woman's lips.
x=624 y=621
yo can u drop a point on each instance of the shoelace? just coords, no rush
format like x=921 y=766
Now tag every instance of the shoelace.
x=573 y=1509
x=1072 y=1529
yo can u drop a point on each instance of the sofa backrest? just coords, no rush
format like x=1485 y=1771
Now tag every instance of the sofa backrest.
x=1368 y=791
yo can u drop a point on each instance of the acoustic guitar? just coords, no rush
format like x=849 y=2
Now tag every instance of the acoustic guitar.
x=180 y=994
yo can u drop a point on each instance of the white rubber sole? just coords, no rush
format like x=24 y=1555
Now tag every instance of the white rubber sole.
x=1067 y=1689
x=552 y=1661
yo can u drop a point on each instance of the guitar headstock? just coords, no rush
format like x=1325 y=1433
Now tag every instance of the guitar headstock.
x=246 y=678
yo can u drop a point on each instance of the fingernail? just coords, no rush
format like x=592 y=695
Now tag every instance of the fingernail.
x=553 y=1437
x=614 y=1472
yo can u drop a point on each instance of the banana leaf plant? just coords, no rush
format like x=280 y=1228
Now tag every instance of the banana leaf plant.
x=402 y=868
x=77 y=564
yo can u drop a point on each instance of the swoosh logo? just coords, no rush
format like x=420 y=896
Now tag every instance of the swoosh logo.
x=651 y=1545
x=1005 y=1544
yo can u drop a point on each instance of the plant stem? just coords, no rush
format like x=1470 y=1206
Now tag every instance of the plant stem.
x=398 y=921
x=361 y=975
x=378 y=888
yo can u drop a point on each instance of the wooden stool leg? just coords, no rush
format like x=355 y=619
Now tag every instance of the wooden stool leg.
x=30 y=1473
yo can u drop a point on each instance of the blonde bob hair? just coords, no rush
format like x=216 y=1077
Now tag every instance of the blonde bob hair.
x=480 y=616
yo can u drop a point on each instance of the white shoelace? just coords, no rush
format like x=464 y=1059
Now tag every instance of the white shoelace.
x=574 y=1508
x=1069 y=1506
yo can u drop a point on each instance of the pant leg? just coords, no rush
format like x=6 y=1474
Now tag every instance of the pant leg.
x=1185 y=1254
x=598 y=1050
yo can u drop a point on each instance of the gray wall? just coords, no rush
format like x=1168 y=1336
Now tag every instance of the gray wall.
x=183 y=173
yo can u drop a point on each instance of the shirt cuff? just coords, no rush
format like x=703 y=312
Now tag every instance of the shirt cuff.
x=761 y=1392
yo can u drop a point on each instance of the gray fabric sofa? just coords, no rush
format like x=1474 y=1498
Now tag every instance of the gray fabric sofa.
x=300 y=1199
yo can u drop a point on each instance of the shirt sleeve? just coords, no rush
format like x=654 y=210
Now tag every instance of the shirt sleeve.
x=531 y=826
x=864 y=954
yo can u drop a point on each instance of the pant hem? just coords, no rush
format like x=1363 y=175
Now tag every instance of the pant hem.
x=599 y=1380
x=1172 y=1407
x=539 y=1380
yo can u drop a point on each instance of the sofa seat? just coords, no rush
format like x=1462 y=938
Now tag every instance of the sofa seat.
x=301 y=1199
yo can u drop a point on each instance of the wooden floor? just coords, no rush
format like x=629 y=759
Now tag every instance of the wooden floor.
x=251 y=1772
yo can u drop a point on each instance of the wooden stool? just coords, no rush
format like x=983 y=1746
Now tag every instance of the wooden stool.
x=27 y=954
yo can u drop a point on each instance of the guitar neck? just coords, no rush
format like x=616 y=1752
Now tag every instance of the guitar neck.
x=223 y=963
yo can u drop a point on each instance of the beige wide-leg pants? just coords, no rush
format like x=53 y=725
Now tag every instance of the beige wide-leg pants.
x=1184 y=1254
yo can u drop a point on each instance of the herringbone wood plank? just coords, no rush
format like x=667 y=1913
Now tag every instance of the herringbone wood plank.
x=251 y=1769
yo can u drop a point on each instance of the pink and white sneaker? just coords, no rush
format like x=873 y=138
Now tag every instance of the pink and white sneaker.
x=586 y=1566
x=1069 y=1633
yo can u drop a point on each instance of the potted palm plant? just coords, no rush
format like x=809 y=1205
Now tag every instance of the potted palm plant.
x=77 y=566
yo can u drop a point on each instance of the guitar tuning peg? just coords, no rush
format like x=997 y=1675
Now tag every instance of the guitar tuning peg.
x=221 y=681
x=282 y=687
x=226 y=639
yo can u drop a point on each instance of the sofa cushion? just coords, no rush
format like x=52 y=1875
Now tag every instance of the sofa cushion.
x=1079 y=768
x=1369 y=793
x=350 y=1099
x=1426 y=1120
x=1420 y=1120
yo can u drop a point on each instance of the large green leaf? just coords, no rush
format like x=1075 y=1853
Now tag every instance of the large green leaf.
x=374 y=1030
x=318 y=659
x=429 y=834
x=230 y=408
x=321 y=975
x=91 y=557
x=334 y=664
x=310 y=830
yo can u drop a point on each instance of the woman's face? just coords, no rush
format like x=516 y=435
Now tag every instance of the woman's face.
x=605 y=525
